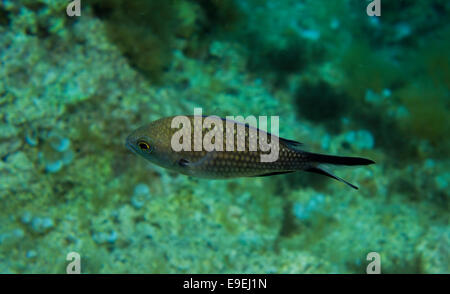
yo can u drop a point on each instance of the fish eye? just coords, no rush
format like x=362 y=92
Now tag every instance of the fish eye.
x=143 y=145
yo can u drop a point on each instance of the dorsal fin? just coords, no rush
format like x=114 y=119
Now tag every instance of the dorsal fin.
x=291 y=143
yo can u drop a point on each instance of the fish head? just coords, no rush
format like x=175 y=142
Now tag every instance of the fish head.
x=152 y=142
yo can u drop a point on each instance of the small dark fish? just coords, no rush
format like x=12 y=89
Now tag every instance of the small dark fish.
x=153 y=142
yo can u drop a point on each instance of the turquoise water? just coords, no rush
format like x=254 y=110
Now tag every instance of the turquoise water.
x=340 y=81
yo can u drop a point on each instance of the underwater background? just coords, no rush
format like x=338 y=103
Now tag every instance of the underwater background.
x=342 y=82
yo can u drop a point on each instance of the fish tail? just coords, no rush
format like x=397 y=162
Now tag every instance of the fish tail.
x=337 y=160
x=319 y=160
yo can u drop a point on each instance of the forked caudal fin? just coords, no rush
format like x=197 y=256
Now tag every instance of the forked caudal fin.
x=322 y=171
x=337 y=160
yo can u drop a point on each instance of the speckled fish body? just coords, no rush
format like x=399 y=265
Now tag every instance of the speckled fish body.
x=153 y=142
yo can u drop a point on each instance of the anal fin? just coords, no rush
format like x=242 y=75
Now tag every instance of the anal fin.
x=275 y=173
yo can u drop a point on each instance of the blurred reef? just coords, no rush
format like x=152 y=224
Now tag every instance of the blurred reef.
x=72 y=89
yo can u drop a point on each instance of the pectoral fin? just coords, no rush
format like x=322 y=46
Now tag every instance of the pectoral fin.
x=190 y=164
x=183 y=162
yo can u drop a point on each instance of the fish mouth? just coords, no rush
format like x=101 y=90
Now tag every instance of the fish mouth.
x=130 y=146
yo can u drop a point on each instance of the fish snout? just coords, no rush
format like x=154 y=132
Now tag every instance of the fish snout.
x=130 y=143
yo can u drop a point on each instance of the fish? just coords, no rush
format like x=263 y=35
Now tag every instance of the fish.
x=155 y=142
